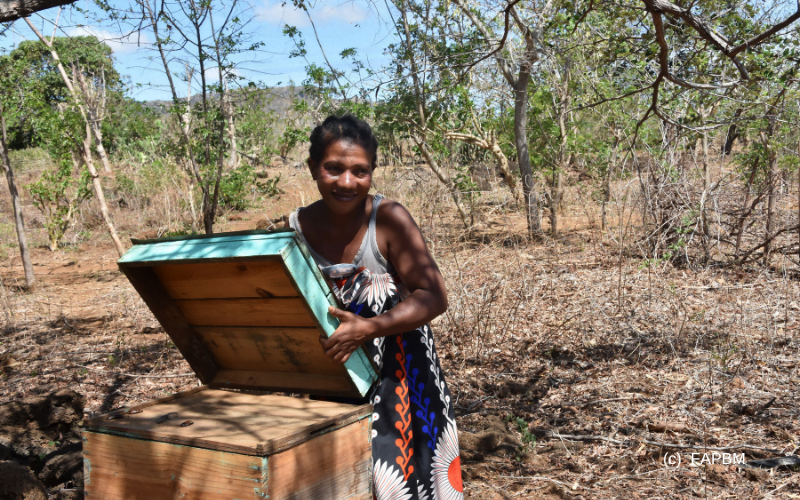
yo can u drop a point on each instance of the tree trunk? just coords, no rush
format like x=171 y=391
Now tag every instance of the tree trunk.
x=11 y=10
x=30 y=279
x=706 y=186
x=773 y=161
x=607 y=183
x=444 y=179
x=488 y=142
x=556 y=190
x=523 y=157
x=732 y=135
x=233 y=158
x=745 y=210
x=101 y=151
x=98 y=190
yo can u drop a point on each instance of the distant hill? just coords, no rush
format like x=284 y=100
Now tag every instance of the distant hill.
x=277 y=99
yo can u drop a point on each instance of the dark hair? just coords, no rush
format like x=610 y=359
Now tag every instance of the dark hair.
x=337 y=128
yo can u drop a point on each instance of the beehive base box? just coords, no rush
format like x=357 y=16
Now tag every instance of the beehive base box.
x=246 y=311
x=238 y=446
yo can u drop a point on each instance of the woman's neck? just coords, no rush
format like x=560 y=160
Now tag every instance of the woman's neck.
x=344 y=220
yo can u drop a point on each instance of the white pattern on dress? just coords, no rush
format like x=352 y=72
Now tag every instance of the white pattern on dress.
x=447 y=452
x=389 y=483
x=427 y=339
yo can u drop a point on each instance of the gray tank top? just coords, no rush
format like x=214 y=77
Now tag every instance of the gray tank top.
x=368 y=254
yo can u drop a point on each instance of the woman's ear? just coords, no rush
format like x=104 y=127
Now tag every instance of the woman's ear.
x=312 y=166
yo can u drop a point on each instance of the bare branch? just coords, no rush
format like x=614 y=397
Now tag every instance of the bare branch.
x=704 y=29
x=504 y=68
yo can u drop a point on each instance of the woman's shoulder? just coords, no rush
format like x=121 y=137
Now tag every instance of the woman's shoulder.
x=393 y=215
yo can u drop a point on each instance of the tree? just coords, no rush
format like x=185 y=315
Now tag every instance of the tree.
x=91 y=66
x=186 y=35
x=516 y=67
x=77 y=101
x=19 y=222
x=421 y=84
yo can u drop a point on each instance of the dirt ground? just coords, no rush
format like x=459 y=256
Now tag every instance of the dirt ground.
x=575 y=370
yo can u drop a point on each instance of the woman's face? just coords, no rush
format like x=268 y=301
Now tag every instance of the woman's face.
x=344 y=176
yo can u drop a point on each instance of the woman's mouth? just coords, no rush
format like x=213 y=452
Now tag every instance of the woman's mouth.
x=344 y=196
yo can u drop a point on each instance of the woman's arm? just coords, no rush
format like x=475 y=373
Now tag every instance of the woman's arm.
x=416 y=269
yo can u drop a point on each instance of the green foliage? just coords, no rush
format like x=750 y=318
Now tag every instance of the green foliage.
x=57 y=194
x=239 y=186
x=255 y=123
x=270 y=187
x=31 y=70
x=291 y=137
x=527 y=438
x=236 y=187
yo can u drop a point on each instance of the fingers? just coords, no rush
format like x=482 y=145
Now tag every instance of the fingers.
x=340 y=314
x=340 y=357
x=326 y=342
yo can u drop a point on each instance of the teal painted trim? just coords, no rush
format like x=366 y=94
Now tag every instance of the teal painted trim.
x=214 y=235
x=309 y=280
x=312 y=264
x=263 y=490
x=317 y=298
x=210 y=248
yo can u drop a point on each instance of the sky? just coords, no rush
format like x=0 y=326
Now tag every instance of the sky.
x=358 y=24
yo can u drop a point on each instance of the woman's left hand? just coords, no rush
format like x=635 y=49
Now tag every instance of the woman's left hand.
x=353 y=330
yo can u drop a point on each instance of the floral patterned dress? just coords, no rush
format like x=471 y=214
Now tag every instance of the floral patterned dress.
x=414 y=439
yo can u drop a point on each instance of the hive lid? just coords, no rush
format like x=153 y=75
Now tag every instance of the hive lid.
x=246 y=310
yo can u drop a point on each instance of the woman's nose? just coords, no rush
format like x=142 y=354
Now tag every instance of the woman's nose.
x=347 y=179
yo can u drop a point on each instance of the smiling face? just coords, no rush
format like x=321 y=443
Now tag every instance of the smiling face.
x=343 y=176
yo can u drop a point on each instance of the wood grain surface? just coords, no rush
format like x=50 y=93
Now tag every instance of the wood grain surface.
x=291 y=350
x=303 y=383
x=121 y=468
x=223 y=280
x=334 y=465
x=246 y=312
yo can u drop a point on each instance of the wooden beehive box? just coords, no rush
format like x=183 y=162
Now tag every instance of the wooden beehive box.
x=245 y=310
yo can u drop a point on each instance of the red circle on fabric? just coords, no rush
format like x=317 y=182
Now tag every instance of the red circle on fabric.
x=454 y=475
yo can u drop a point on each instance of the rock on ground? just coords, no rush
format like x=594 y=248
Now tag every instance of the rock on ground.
x=19 y=483
x=40 y=445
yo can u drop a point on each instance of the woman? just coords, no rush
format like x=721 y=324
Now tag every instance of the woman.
x=381 y=270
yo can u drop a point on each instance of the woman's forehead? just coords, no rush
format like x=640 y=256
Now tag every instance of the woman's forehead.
x=346 y=147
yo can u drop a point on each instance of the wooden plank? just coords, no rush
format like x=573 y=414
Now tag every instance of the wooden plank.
x=363 y=412
x=303 y=383
x=336 y=465
x=291 y=350
x=117 y=467
x=251 y=424
x=222 y=247
x=309 y=281
x=123 y=411
x=146 y=282
x=246 y=312
x=222 y=280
